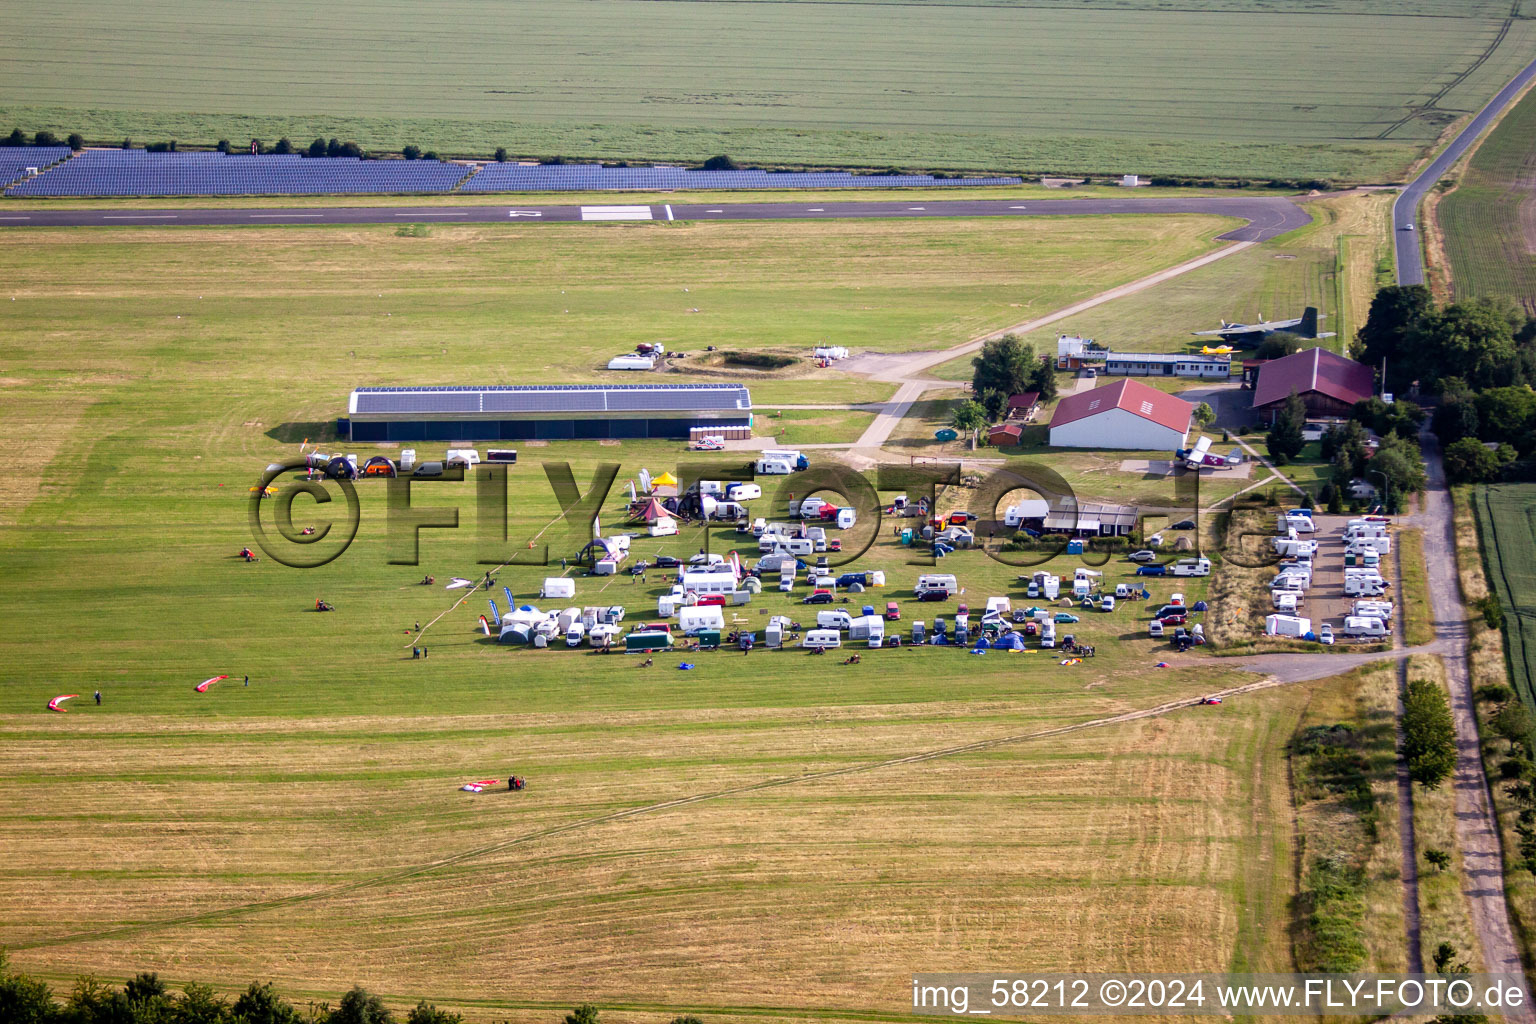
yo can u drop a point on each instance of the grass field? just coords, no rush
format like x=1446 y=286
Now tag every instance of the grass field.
x=1508 y=538
x=1361 y=90
x=1489 y=233
x=747 y=839
x=1278 y=278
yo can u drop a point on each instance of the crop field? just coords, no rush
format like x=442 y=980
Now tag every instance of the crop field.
x=749 y=839
x=1351 y=91
x=1489 y=220
x=1508 y=534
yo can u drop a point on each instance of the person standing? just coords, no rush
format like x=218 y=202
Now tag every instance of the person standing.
x=247 y=680
x=98 y=698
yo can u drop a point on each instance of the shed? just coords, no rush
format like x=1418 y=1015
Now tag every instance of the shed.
x=1004 y=434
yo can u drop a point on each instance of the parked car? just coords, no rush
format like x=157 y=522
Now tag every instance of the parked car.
x=1144 y=555
x=1210 y=700
x=820 y=597
x=668 y=562
x=1183 y=524
x=1173 y=619
x=892 y=611
x=1325 y=634
x=933 y=595
x=1151 y=570
x=1067 y=617
x=718 y=600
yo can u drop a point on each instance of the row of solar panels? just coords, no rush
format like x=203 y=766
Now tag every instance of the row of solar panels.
x=17 y=161
x=384 y=401
x=135 y=172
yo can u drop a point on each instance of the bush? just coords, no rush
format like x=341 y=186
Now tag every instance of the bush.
x=359 y=1006
x=45 y=139
x=720 y=163
x=283 y=147
x=1438 y=858
x=1512 y=768
x=430 y=154
x=76 y=141
x=411 y=152
x=1493 y=611
x=223 y=146
x=759 y=360
x=501 y=154
x=1494 y=693
x=317 y=148
x=17 y=138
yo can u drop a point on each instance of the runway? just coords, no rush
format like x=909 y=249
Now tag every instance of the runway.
x=1267 y=216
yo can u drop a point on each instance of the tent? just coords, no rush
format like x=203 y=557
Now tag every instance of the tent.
x=1009 y=642
x=340 y=469
x=665 y=480
x=378 y=466
x=653 y=511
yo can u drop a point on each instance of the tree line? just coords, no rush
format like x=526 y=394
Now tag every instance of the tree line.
x=146 y=999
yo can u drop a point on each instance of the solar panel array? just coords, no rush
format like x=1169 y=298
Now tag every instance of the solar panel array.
x=595 y=177
x=14 y=160
x=134 y=172
x=559 y=398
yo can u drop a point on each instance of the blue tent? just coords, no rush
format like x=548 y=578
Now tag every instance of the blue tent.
x=1009 y=642
x=982 y=643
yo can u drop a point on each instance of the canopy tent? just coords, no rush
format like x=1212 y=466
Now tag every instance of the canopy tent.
x=664 y=480
x=653 y=511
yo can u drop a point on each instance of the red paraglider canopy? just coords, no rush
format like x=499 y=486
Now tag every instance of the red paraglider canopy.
x=57 y=704
x=202 y=687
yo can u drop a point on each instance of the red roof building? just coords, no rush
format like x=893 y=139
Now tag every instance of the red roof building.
x=1023 y=406
x=1328 y=383
x=1126 y=414
x=1005 y=434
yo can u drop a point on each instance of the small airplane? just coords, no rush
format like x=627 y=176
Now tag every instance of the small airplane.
x=1304 y=326
x=1216 y=350
x=1201 y=456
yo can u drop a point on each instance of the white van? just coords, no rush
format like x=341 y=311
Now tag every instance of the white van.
x=759 y=526
x=822 y=638
x=462 y=457
x=574 y=634
x=743 y=492
x=835 y=618
x=936 y=581
x=1048 y=634
x=1367 y=627
x=1191 y=567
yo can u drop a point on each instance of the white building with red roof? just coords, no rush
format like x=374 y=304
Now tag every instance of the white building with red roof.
x=1125 y=414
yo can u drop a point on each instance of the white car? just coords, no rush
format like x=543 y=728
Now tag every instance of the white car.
x=1144 y=555
x=1325 y=634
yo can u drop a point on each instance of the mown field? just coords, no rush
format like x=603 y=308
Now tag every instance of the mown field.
x=1356 y=92
x=1487 y=222
x=748 y=839
x=1508 y=537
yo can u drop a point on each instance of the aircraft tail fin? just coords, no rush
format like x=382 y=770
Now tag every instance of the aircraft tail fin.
x=1308 y=326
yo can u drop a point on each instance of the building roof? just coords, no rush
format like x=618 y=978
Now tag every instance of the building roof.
x=1166 y=357
x=1313 y=369
x=1027 y=401
x=1134 y=397
x=1012 y=430
x=1091 y=515
x=574 y=399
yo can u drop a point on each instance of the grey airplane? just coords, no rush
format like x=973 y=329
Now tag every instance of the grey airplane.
x=1304 y=326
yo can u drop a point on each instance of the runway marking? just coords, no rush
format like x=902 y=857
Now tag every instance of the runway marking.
x=524 y=213
x=816 y=209
x=1015 y=207
x=254 y=216
x=616 y=213
x=138 y=216
x=917 y=208
x=15 y=218
x=668 y=208
x=714 y=211
x=446 y=213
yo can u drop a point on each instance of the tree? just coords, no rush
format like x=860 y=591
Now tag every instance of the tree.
x=24 y=1000
x=145 y=985
x=1444 y=954
x=1468 y=462
x=1395 y=312
x=333 y=148
x=690 y=1019
x=501 y=154
x=1004 y=364
x=1204 y=415
x=1512 y=722
x=1429 y=734
x=260 y=1004
x=586 y=1013
x=411 y=152
x=1043 y=380
x=1438 y=858
x=1476 y=339
x=720 y=163
x=1278 y=345
x=430 y=154
x=76 y=141
x=359 y=1006
x=968 y=417
x=1400 y=461
x=1284 y=439
x=45 y=138
x=1493 y=611
x=317 y=148
x=996 y=404
x=283 y=147
x=16 y=138
x=127 y=143
x=1505 y=414
x=223 y=146
x=199 y=1005
x=1456 y=417
x=426 y=1013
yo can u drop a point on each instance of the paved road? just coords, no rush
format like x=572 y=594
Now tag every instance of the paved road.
x=1405 y=212
x=1267 y=216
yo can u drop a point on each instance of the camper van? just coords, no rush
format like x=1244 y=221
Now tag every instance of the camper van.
x=1364 y=586
x=743 y=492
x=574 y=634
x=1367 y=609
x=1285 y=601
x=666 y=526
x=822 y=638
x=407 y=459
x=1365 y=627
x=1191 y=567
x=944 y=582
x=1288 y=546
x=1381 y=544
x=834 y=618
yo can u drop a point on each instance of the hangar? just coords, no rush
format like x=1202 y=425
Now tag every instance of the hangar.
x=1125 y=414
x=525 y=412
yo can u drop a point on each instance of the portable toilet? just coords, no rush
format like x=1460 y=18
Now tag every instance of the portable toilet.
x=1074 y=547
x=906 y=537
x=877 y=578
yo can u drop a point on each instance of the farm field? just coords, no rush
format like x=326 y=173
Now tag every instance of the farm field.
x=1508 y=538
x=1330 y=263
x=1363 y=89
x=1486 y=221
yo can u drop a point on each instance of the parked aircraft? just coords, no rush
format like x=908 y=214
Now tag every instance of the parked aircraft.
x=1304 y=326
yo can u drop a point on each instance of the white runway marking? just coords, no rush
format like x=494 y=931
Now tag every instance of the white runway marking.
x=616 y=213
x=139 y=216
x=425 y=213
x=285 y=216
x=917 y=208
x=816 y=209
x=15 y=218
x=668 y=208
x=714 y=211
x=1015 y=207
x=524 y=213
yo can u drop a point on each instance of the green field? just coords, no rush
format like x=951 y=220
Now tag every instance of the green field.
x=1230 y=88
x=1486 y=222
x=1508 y=535
x=750 y=839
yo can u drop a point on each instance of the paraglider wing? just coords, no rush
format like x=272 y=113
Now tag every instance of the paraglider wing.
x=57 y=704
x=202 y=687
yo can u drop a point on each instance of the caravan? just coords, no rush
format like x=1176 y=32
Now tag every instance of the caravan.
x=742 y=492
x=691 y=621
x=1191 y=567
x=936 y=582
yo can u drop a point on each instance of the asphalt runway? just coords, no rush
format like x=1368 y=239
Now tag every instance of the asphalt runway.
x=1267 y=216
x=1405 y=211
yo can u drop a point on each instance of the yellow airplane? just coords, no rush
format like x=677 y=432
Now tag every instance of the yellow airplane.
x=1219 y=350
